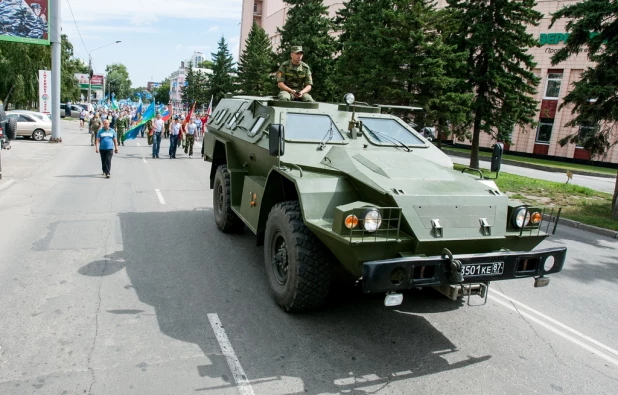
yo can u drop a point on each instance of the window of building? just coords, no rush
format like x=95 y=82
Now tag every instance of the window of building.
x=543 y=131
x=255 y=8
x=586 y=130
x=552 y=88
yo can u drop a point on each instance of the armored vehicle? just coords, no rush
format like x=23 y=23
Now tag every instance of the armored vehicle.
x=324 y=184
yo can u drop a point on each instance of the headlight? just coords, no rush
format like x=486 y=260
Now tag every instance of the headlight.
x=351 y=221
x=372 y=220
x=536 y=218
x=349 y=99
x=521 y=218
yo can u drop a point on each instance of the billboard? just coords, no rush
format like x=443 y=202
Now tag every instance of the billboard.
x=45 y=91
x=82 y=79
x=25 y=21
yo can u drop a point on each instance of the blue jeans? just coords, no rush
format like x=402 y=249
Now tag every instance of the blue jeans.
x=173 y=145
x=156 y=144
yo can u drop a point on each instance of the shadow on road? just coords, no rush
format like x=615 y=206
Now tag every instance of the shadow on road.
x=179 y=263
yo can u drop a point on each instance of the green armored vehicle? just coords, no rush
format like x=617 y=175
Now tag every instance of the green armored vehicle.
x=343 y=184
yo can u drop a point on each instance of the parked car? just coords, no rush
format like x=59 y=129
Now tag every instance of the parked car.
x=75 y=110
x=29 y=125
x=40 y=115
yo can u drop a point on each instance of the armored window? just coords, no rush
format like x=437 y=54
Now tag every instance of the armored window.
x=220 y=116
x=257 y=126
x=388 y=131
x=543 y=132
x=552 y=89
x=311 y=127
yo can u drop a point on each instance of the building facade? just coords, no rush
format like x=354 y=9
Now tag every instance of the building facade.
x=178 y=82
x=556 y=80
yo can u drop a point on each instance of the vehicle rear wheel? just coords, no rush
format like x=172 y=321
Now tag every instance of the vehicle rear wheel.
x=298 y=265
x=11 y=128
x=38 y=135
x=227 y=221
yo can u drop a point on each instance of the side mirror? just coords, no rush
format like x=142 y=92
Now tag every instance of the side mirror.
x=496 y=157
x=276 y=139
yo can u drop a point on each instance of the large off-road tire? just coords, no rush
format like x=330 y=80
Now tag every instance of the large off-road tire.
x=298 y=265
x=227 y=221
x=11 y=128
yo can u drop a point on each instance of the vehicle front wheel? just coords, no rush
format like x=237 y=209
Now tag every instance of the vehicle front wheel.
x=226 y=219
x=298 y=265
x=38 y=135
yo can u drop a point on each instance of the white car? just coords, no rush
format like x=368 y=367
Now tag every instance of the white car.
x=31 y=124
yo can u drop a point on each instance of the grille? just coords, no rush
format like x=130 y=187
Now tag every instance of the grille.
x=389 y=229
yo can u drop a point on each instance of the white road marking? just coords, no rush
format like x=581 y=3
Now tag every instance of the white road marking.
x=553 y=321
x=161 y=200
x=137 y=143
x=226 y=347
x=144 y=159
x=556 y=331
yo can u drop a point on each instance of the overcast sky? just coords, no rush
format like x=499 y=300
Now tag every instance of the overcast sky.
x=156 y=35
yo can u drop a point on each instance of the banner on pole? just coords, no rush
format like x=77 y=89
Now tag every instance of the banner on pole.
x=45 y=91
x=25 y=21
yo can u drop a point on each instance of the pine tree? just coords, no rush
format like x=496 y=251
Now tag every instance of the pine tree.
x=593 y=25
x=499 y=68
x=256 y=64
x=308 y=25
x=222 y=79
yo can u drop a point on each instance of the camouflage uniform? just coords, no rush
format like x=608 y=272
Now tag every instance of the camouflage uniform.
x=122 y=124
x=295 y=77
x=95 y=126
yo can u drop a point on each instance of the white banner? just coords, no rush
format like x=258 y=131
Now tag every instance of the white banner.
x=45 y=91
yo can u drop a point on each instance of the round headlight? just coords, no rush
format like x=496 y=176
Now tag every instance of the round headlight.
x=351 y=221
x=372 y=220
x=536 y=218
x=349 y=99
x=521 y=218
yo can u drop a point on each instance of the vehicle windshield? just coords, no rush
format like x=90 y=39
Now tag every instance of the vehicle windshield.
x=373 y=127
x=311 y=127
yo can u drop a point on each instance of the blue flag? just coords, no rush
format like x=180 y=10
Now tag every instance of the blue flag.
x=148 y=115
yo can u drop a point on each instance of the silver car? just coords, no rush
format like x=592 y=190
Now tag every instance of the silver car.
x=31 y=124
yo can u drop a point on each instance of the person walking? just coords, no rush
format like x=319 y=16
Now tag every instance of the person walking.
x=107 y=144
x=156 y=138
x=190 y=138
x=168 y=123
x=82 y=119
x=95 y=125
x=122 y=125
x=175 y=130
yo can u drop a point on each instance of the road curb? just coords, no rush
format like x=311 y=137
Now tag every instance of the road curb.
x=5 y=183
x=612 y=234
x=532 y=166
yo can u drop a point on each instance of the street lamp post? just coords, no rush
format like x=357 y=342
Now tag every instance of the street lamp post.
x=90 y=69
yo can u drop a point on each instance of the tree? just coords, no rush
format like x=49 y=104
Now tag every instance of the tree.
x=70 y=66
x=118 y=79
x=499 y=68
x=222 y=79
x=257 y=64
x=162 y=93
x=308 y=25
x=401 y=60
x=593 y=25
x=206 y=64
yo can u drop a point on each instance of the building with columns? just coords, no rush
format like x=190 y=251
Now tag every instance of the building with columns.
x=556 y=81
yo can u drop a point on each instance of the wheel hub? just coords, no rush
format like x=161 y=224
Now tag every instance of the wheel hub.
x=280 y=260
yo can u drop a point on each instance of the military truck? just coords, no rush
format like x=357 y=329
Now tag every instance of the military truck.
x=324 y=184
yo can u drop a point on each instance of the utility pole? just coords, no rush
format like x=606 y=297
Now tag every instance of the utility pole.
x=56 y=42
x=89 y=80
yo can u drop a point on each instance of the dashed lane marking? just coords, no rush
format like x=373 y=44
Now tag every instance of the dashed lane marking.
x=161 y=200
x=144 y=159
x=232 y=360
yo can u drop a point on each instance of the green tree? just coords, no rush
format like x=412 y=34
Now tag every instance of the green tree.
x=222 y=79
x=196 y=89
x=499 y=68
x=257 y=64
x=308 y=25
x=162 y=93
x=206 y=64
x=117 y=79
x=593 y=25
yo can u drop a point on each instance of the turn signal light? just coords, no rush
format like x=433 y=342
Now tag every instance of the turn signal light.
x=351 y=221
x=536 y=218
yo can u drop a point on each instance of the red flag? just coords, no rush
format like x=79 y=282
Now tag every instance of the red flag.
x=188 y=118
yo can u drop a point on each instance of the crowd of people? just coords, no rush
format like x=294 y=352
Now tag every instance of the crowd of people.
x=107 y=130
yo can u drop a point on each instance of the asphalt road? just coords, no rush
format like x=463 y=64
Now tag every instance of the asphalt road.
x=125 y=286
x=602 y=184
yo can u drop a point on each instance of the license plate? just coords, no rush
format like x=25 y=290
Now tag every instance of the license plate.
x=483 y=269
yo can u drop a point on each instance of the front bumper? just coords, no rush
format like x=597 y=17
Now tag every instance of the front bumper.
x=421 y=271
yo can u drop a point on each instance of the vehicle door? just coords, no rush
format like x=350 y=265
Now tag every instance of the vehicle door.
x=25 y=125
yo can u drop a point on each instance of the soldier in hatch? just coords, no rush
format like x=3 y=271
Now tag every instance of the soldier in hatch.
x=294 y=78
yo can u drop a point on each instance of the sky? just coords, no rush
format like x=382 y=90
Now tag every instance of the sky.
x=156 y=35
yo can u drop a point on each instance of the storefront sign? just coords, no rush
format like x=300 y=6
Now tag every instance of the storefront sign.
x=553 y=38
x=45 y=91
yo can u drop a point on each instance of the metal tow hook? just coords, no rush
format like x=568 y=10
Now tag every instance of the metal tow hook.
x=456 y=275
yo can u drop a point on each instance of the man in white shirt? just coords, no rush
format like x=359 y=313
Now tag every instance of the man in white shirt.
x=191 y=130
x=156 y=137
x=174 y=132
